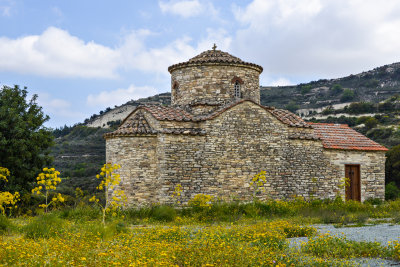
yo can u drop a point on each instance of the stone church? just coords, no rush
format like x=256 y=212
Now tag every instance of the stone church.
x=216 y=136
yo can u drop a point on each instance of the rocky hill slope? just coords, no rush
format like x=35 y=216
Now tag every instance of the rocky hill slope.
x=371 y=86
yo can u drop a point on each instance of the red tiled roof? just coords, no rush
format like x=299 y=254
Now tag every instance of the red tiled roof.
x=134 y=125
x=288 y=118
x=284 y=116
x=168 y=113
x=341 y=136
x=137 y=124
x=214 y=56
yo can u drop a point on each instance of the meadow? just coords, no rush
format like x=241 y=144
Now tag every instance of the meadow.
x=214 y=234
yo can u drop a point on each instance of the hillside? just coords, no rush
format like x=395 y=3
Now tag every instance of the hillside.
x=370 y=86
x=79 y=153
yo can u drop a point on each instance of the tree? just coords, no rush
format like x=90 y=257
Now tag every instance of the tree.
x=24 y=141
x=336 y=89
x=292 y=106
x=347 y=95
x=393 y=165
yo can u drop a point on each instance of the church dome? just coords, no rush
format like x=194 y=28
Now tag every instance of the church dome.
x=213 y=78
x=214 y=57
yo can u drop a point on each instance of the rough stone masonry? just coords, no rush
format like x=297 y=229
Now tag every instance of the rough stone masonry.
x=216 y=136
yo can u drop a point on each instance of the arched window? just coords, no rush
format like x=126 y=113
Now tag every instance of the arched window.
x=237 y=89
x=175 y=89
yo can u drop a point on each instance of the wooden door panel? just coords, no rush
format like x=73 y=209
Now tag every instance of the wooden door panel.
x=353 y=190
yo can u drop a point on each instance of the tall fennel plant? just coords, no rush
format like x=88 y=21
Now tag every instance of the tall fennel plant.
x=108 y=181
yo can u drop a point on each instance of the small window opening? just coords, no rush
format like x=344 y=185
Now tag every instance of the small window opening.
x=237 y=89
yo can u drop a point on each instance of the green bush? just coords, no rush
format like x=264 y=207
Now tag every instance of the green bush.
x=80 y=213
x=44 y=226
x=5 y=225
x=347 y=95
x=392 y=192
x=163 y=213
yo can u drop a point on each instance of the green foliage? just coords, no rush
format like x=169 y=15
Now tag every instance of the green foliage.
x=78 y=154
x=292 y=106
x=328 y=246
x=305 y=89
x=370 y=123
x=393 y=165
x=360 y=107
x=5 y=225
x=392 y=192
x=371 y=83
x=81 y=213
x=24 y=142
x=163 y=213
x=44 y=226
x=347 y=95
x=336 y=89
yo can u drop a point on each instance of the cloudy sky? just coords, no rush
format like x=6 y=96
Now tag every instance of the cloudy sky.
x=81 y=57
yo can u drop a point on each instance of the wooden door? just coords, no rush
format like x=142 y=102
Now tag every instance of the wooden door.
x=353 y=190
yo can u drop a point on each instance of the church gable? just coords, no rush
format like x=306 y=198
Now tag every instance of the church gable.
x=135 y=124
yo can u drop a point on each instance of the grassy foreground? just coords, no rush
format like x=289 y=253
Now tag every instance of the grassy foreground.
x=163 y=236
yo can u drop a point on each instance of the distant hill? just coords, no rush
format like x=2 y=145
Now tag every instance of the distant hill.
x=371 y=86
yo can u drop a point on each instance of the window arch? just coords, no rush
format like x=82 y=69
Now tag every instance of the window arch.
x=175 y=89
x=237 y=89
x=175 y=85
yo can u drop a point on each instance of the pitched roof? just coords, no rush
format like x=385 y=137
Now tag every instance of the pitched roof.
x=134 y=125
x=163 y=113
x=289 y=118
x=214 y=56
x=341 y=136
x=138 y=125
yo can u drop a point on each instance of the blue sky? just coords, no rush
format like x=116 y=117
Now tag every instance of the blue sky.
x=81 y=57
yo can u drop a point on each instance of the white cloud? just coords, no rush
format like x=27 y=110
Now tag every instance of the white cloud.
x=280 y=82
x=324 y=39
x=56 y=107
x=136 y=54
x=6 y=7
x=119 y=96
x=186 y=9
x=56 y=53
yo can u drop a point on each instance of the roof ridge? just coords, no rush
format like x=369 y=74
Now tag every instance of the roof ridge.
x=212 y=57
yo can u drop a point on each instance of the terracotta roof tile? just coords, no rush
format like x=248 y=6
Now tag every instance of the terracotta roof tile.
x=168 y=113
x=185 y=131
x=289 y=118
x=304 y=136
x=214 y=56
x=341 y=136
x=134 y=125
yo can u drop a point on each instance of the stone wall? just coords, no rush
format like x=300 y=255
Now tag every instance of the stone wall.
x=213 y=84
x=139 y=167
x=372 y=170
x=238 y=144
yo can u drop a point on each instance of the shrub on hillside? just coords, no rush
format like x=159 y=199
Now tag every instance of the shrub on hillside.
x=391 y=191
